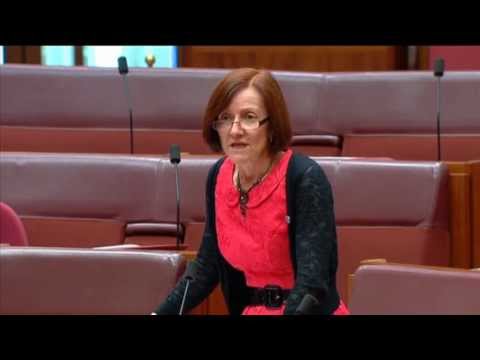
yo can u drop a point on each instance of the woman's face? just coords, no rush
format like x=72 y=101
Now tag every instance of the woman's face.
x=239 y=142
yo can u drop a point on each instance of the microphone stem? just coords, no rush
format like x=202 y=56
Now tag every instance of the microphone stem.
x=130 y=112
x=178 y=205
x=184 y=297
x=131 y=130
x=439 y=154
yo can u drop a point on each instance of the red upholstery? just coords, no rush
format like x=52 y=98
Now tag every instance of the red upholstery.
x=102 y=200
x=396 y=210
x=12 y=230
x=80 y=109
x=391 y=209
x=393 y=114
x=82 y=281
x=396 y=289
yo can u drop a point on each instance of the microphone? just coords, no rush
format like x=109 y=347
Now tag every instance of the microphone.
x=175 y=160
x=306 y=305
x=439 y=68
x=190 y=276
x=123 y=70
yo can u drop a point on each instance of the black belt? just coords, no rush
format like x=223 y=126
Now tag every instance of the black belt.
x=271 y=296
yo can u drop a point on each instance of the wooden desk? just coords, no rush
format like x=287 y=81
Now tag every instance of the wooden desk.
x=215 y=303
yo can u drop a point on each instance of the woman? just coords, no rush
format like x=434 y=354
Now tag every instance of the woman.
x=270 y=236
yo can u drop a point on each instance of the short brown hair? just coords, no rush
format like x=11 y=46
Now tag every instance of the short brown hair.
x=269 y=89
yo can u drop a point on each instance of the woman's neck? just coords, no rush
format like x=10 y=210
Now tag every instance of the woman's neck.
x=252 y=172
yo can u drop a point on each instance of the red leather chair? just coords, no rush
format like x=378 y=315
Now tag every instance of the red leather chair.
x=12 y=231
x=406 y=289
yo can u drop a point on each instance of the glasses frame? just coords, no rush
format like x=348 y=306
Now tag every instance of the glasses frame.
x=260 y=123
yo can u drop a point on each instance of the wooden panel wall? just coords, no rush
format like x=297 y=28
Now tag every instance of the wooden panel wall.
x=293 y=58
x=296 y=58
x=33 y=55
x=460 y=213
x=22 y=54
x=475 y=206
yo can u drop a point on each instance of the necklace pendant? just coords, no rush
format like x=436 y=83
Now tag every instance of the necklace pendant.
x=243 y=210
x=243 y=198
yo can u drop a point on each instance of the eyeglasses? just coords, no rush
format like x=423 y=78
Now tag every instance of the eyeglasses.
x=248 y=123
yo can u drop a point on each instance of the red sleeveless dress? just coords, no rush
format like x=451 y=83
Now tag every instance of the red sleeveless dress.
x=257 y=243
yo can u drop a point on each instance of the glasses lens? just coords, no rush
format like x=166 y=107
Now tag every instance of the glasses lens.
x=249 y=123
x=224 y=123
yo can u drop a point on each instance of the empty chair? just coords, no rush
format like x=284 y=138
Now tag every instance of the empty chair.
x=12 y=231
x=388 y=289
x=37 y=280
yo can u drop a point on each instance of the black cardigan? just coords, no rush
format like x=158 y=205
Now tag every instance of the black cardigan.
x=313 y=246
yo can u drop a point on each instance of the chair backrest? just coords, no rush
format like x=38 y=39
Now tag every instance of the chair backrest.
x=389 y=289
x=81 y=109
x=394 y=114
x=83 y=281
x=387 y=114
x=396 y=210
x=85 y=200
x=12 y=231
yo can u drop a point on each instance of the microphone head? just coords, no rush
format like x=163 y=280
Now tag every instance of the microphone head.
x=191 y=271
x=175 y=154
x=439 y=67
x=122 y=65
x=307 y=304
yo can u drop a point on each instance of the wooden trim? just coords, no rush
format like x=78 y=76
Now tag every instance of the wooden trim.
x=460 y=220
x=189 y=254
x=423 y=267
x=350 y=284
x=297 y=58
x=23 y=55
x=214 y=304
x=373 y=261
x=14 y=55
x=185 y=56
x=78 y=57
x=423 y=58
x=460 y=215
x=33 y=55
x=401 y=58
x=181 y=55
x=475 y=208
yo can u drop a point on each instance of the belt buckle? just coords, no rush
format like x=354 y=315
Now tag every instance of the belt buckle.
x=273 y=296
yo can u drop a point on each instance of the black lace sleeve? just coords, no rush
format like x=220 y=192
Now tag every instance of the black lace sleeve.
x=206 y=275
x=315 y=238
